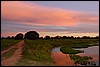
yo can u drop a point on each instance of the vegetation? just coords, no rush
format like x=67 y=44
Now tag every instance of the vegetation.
x=47 y=37
x=83 y=60
x=28 y=62
x=31 y=35
x=38 y=50
x=77 y=43
x=69 y=50
x=6 y=43
x=19 y=36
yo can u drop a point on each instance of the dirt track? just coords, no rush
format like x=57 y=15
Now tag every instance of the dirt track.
x=16 y=56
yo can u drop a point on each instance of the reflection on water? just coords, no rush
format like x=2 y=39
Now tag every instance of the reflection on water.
x=91 y=51
x=61 y=59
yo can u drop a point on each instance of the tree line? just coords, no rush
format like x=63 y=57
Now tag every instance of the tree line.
x=32 y=35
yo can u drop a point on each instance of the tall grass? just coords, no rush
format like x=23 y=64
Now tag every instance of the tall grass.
x=6 y=43
x=40 y=50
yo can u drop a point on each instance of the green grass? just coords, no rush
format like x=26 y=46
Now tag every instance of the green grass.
x=6 y=43
x=38 y=50
x=28 y=62
x=77 y=43
x=83 y=60
x=41 y=49
x=69 y=50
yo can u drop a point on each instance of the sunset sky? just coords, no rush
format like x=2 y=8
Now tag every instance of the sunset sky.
x=70 y=18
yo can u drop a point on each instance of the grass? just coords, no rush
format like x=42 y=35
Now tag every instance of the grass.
x=28 y=62
x=38 y=50
x=69 y=50
x=83 y=60
x=78 y=43
x=6 y=43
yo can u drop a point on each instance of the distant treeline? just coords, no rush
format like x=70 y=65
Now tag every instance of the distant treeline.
x=57 y=37
x=34 y=35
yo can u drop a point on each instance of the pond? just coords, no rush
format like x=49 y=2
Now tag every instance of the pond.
x=61 y=59
x=91 y=51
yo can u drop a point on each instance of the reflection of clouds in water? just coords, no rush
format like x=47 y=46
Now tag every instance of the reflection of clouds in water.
x=91 y=51
x=61 y=59
x=56 y=49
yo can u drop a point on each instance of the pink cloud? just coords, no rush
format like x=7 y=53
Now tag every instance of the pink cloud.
x=41 y=15
x=5 y=34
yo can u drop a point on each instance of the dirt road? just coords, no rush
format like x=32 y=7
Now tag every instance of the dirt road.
x=15 y=57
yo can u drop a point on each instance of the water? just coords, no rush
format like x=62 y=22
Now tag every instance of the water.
x=90 y=51
x=60 y=58
x=56 y=49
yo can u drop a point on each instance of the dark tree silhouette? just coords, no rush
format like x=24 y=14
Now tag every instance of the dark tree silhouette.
x=2 y=38
x=40 y=37
x=31 y=35
x=85 y=37
x=64 y=37
x=12 y=37
x=57 y=37
x=47 y=37
x=8 y=37
x=72 y=37
x=19 y=36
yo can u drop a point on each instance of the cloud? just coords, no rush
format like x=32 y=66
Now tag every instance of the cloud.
x=18 y=16
x=81 y=28
x=30 y=14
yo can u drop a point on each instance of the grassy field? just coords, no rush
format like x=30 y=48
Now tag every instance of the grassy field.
x=6 y=43
x=28 y=62
x=79 y=43
x=40 y=50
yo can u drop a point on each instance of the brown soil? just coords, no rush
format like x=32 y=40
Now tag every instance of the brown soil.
x=16 y=56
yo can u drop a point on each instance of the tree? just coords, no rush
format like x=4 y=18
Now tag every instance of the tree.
x=57 y=37
x=40 y=37
x=2 y=38
x=64 y=37
x=31 y=35
x=12 y=37
x=19 y=36
x=47 y=37
x=8 y=37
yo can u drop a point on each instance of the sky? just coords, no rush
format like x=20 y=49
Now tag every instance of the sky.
x=53 y=18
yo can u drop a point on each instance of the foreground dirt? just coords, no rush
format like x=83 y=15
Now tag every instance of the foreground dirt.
x=15 y=57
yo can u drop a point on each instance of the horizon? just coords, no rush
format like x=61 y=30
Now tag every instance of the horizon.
x=50 y=18
x=51 y=36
